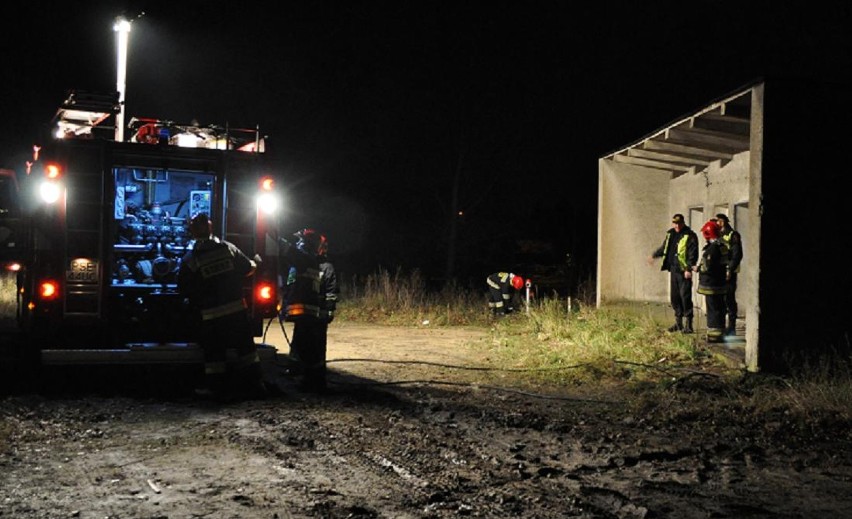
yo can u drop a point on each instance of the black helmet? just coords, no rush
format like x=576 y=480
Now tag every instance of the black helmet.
x=200 y=227
x=312 y=242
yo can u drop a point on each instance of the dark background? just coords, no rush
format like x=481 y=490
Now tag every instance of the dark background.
x=380 y=114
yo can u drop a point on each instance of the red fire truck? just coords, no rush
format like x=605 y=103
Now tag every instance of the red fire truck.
x=92 y=238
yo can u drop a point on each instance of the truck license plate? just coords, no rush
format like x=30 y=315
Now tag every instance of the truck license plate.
x=82 y=270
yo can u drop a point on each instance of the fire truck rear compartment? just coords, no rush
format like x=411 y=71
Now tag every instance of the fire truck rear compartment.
x=94 y=282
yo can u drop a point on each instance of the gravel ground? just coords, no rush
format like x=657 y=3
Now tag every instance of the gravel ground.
x=412 y=427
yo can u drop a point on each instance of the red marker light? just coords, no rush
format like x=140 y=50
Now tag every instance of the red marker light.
x=267 y=184
x=48 y=290
x=265 y=292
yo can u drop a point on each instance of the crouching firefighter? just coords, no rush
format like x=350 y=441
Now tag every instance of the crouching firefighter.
x=309 y=301
x=501 y=289
x=211 y=277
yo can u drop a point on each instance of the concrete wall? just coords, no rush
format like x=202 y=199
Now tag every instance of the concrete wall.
x=629 y=197
x=805 y=285
x=636 y=204
x=785 y=195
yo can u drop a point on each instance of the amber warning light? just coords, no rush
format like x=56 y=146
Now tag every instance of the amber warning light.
x=52 y=171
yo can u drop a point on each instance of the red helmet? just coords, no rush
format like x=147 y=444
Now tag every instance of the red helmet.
x=517 y=282
x=312 y=242
x=710 y=230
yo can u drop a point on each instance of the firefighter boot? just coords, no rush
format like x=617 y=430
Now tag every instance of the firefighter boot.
x=688 y=327
x=677 y=326
x=714 y=335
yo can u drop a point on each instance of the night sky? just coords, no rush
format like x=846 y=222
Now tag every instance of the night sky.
x=374 y=111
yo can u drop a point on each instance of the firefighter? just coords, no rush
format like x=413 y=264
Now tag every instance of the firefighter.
x=734 y=243
x=711 y=280
x=310 y=295
x=501 y=287
x=680 y=255
x=211 y=276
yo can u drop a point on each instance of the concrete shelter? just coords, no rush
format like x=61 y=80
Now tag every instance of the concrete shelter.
x=771 y=155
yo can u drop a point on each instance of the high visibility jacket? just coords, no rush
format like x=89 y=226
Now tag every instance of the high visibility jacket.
x=679 y=250
x=734 y=243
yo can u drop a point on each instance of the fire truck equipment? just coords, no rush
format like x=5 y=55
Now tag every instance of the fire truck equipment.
x=100 y=248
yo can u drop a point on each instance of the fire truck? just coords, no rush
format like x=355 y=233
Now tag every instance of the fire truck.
x=91 y=239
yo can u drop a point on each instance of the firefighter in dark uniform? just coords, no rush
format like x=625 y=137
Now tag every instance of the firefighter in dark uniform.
x=734 y=243
x=501 y=287
x=711 y=280
x=680 y=255
x=310 y=295
x=211 y=276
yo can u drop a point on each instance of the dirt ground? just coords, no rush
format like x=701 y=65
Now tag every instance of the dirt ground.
x=414 y=426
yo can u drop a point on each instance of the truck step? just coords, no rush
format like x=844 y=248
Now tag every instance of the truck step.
x=140 y=353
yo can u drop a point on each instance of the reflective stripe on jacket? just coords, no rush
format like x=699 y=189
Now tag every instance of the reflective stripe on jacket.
x=686 y=250
x=212 y=275
x=734 y=244
x=711 y=272
x=302 y=290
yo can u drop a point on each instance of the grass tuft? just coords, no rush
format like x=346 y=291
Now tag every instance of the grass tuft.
x=557 y=344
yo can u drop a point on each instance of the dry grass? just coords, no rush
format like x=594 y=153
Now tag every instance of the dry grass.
x=402 y=298
x=555 y=345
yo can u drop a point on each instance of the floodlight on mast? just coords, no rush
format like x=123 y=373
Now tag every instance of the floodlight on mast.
x=122 y=29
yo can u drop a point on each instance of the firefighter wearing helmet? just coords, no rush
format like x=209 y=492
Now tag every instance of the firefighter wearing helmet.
x=711 y=280
x=310 y=294
x=501 y=289
x=211 y=277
